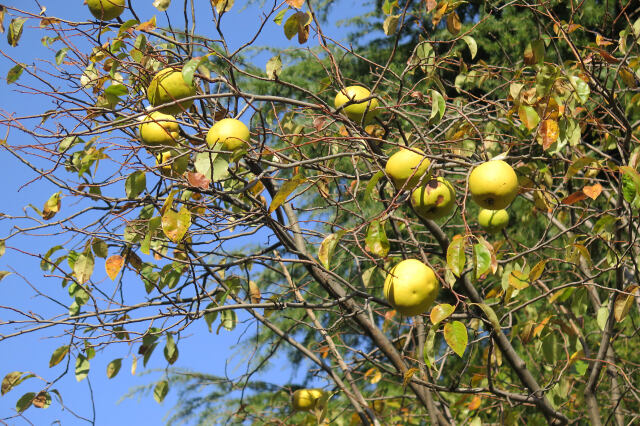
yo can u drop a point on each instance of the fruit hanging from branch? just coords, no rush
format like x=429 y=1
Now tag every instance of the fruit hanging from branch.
x=229 y=132
x=168 y=86
x=411 y=287
x=434 y=199
x=105 y=10
x=357 y=110
x=407 y=167
x=493 y=221
x=306 y=399
x=159 y=129
x=493 y=185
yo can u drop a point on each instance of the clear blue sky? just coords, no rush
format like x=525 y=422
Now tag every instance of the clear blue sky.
x=201 y=351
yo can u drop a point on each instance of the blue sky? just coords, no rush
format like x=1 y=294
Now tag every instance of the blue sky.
x=201 y=351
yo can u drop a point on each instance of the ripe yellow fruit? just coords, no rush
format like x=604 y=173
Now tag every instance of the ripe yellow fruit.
x=434 y=200
x=106 y=10
x=356 y=111
x=159 y=129
x=232 y=133
x=167 y=86
x=493 y=185
x=493 y=220
x=306 y=399
x=407 y=166
x=411 y=287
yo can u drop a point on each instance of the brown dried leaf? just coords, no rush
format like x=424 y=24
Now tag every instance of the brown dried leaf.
x=198 y=180
x=574 y=198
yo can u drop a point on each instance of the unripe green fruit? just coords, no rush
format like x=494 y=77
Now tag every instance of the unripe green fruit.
x=355 y=111
x=493 y=221
x=406 y=168
x=232 y=133
x=159 y=129
x=434 y=200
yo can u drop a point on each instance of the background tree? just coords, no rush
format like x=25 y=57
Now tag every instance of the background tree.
x=532 y=324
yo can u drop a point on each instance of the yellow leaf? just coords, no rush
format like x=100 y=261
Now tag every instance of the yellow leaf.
x=549 y=132
x=295 y=3
x=540 y=327
x=51 y=207
x=147 y=26
x=408 y=375
x=254 y=292
x=285 y=190
x=113 y=265
x=453 y=23
x=624 y=302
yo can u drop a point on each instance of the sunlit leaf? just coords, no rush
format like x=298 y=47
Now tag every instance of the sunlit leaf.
x=52 y=206
x=113 y=368
x=13 y=379
x=162 y=5
x=471 y=43
x=455 y=334
x=390 y=24
x=274 y=67
x=456 y=257
x=549 y=132
x=440 y=312
x=285 y=190
x=113 y=265
x=228 y=319
x=592 y=191
x=295 y=3
x=328 y=245
x=58 y=355
x=83 y=267
x=135 y=184
x=625 y=301
x=15 y=31
x=518 y=280
x=438 y=106
x=376 y=239
x=160 y=391
x=175 y=224
x=482 y=259
x=528 y=116
x=82 y=368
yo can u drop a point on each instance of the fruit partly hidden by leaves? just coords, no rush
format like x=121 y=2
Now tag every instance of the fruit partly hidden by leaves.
x=176 y=163
x=493 y=185
x=434 y=200
x=411 y=287
x=167 y=86
x=159 y=129
x=232 y=133
x=407 y=166
x=356 y=111
x=306 y=399
x=106 y=10
x=493 y=221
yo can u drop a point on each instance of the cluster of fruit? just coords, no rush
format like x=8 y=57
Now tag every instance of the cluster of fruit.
x=411 y=287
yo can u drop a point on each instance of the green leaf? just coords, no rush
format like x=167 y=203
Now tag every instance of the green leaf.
x=228 y=319
x=14 y=73
x=482 y=257
x=285 y=190
x=113 y=368
x=13 y=379
x=82 y=368
x=581 y=88
x=116 y=90
x=491 y=316
x=100 y=248
x=534 y=52
x=170 y=350
x=438 y=106
x=455 y=334
x=376 y=239
x=536 y=271
x=328 y=245
x=528 y=116
x=175 y=224
x=296 y=24
x=58 y=355
x=456 y=258
x=210 y=317
x=223 y=5
x=15 y=31
x=61 y=54
x=518 y=280
x=372 y=184
x=25 y=401
x=390 y=24
x=274 y=67
x=154 y=224
x=135 y=184
x=83 y=267
x=280 y=16
x=602 y=316
x=428 y=353
x=189 y=69
x=160 y=391
x=440 y=312
x=471 y=44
